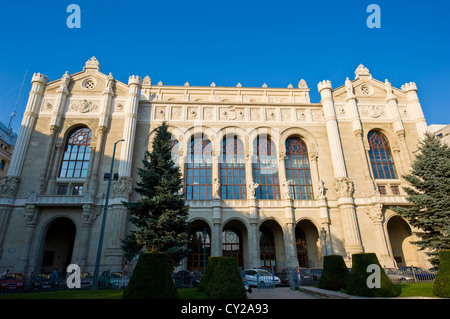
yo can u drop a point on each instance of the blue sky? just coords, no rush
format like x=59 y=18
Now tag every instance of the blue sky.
x=226 y=42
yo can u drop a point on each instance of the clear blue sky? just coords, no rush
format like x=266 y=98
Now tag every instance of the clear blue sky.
x=230 y=41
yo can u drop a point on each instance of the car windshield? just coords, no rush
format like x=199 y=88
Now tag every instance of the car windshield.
x=13 y=277
x=116 y=275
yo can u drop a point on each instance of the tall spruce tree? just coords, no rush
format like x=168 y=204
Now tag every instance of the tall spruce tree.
x=161 y=213
x=430 y=194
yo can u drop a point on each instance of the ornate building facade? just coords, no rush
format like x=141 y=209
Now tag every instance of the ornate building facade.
x=271 y=178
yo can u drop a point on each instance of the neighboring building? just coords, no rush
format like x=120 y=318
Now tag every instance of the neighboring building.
x=271 y=178
x=441 y=131
x=7 y=142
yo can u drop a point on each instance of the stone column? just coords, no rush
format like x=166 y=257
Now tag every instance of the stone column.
x=11 y=182
x=414 y=106
x=376 y=215
x=30 y=214
x=216 y=234
x=358 y=131
x=103 y=125
x=132 y=105
x=394 y=113
x=55 y=126
x=343 y=185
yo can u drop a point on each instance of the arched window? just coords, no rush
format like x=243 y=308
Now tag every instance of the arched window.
x=265 y=169
x=232 y=169
x=232 y=245
x=199 y=249
x=175 y=151
x=380 y=156
x=199 y=170
x=77 y=154
x=297 y=169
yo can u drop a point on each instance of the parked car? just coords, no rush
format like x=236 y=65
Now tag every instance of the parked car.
x=86 y=280
x=300 y=276
x=418 y=273
x=112 y=280
x=12 y=281
x=186 y=279
x=42 y=281
x=396 y=276
x=316 y=273
x=257 y=277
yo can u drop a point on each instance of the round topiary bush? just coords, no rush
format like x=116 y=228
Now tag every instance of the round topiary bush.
x=151 y=278
x=335 y=273
x=209 y=271
x=226 y=282
x=441 y=286
x=358 y=280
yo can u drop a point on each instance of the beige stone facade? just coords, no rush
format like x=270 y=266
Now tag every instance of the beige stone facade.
x=49 y=220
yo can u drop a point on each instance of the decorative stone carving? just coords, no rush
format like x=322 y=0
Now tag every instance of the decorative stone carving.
x=375 y=212
x=231 y=114
x=216 y=188
x=388 y=87
x=374 y=111
x=270 y=114
x=176 y=113
x=92 y=63
x=361 y=70
x=302 y=84
x=286 y=189
x=122 y=187
x=321 y=189
x=252 y=186
x=192 y=113
x=344 y=187
x=9 y=186
x=160 y=113
x=84 y=106
x=30 y=214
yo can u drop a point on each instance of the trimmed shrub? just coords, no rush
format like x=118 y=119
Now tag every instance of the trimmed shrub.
x=209 y=271
x=226 y=282
x=335 y=273
x=357 y=284
x=441 y=286
x=151 y=278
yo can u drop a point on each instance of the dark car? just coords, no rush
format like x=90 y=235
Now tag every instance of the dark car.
x=186 y=279
x=42 y=281
x=316 y=273
x=86 y=280
x=298 y=276
x=12 y=281
x=112 y=280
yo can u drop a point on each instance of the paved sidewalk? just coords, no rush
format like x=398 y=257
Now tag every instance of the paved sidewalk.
x=279 y=293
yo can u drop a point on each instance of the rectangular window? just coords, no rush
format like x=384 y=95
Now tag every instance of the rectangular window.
x=382 y=190
x=395 y=190
x=77 y=190
x=62 y=189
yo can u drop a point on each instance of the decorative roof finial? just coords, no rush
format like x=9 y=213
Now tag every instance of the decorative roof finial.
x=92 y=63
x=361 y=71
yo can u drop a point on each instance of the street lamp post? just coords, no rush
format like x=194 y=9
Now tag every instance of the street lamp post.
x=205 y=233
x=105 y=211
x=323 y=232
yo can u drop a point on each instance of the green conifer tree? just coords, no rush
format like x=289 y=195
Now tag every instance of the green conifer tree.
x=430 y=194
x=161 y=213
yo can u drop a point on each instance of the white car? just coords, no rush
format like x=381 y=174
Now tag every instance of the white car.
x=261 y=277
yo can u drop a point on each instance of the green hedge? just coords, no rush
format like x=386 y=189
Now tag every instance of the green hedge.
x=441 y=286
x=151 y=278
x=209 y=271
x=357 y=281
x=226 y=281
x=335 y=273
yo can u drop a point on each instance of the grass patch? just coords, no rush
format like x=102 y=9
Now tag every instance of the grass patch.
x=185 y=293
x=416 y=290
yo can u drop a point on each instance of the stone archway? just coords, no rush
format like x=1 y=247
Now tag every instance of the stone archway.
x=271 y=246
x=400 y=237
x=235 y=242
x=307 y=244
x=58 y=245
x=199 y=246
